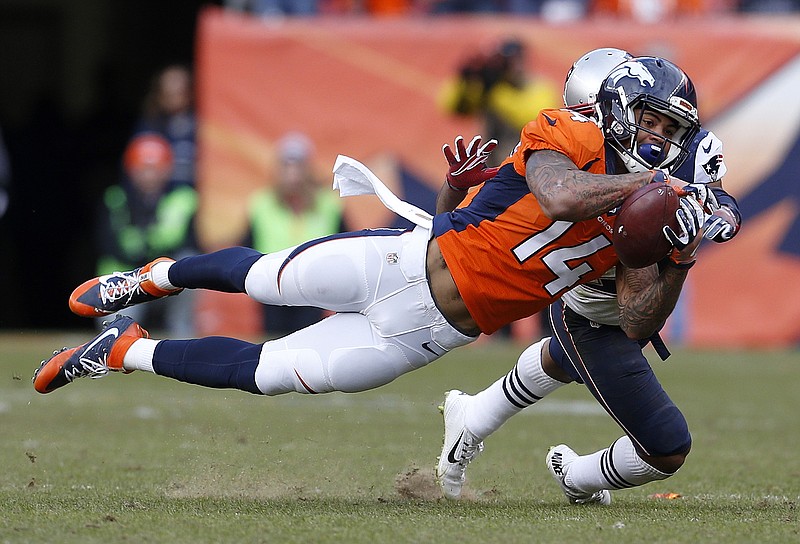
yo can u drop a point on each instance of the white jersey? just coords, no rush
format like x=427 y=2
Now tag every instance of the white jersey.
x=597 y=300
x=705 y=161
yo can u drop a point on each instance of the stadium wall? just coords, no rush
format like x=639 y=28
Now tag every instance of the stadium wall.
x=368 y=89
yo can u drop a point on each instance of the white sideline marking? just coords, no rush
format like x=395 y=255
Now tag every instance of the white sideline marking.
x=396 y=403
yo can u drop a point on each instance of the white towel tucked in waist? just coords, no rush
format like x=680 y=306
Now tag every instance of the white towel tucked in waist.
x=353 y=178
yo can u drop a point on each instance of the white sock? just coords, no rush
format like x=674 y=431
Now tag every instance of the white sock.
x=159 y=273
x=615 y=467
x=140 y=355
x=526 y=384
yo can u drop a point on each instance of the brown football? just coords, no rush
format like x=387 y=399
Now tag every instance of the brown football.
x=638 y=228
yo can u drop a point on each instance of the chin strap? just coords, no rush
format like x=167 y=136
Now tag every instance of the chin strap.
x=636 y=165
x=632 y=165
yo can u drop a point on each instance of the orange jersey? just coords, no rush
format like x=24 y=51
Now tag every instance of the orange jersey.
x=508 y=259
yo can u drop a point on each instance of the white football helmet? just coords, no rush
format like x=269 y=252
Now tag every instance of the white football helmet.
x=587 y=75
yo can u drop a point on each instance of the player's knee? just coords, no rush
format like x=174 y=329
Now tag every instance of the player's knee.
x=669 y=434
x=298 y=370
x=549 y=364
x=359 y=369
x=347 y=370
x=668 y=464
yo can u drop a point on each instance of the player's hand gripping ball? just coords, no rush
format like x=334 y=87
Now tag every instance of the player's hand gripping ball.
x=639 y=227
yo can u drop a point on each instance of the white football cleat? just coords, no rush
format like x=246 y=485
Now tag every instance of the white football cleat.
x=558 y=461
x=460 y=445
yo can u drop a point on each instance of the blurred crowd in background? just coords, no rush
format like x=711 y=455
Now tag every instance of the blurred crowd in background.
x=646 y=10
x=81 y=192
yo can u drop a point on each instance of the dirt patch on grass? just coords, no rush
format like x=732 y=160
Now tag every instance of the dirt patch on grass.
x=419 y=484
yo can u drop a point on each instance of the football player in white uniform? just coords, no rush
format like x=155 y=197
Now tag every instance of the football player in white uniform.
x=599 y=330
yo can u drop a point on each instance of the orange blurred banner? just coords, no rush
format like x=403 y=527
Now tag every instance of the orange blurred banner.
x=369 y=89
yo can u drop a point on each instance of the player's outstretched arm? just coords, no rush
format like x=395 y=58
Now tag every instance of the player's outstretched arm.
x=567 y=193
x=466 y=168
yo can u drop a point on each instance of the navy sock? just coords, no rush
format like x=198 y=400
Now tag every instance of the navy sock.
x=216 y=361
x=222 y=270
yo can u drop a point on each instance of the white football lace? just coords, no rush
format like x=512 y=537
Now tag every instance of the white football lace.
x=468 y=452
x=88 y=367
x=129 y=286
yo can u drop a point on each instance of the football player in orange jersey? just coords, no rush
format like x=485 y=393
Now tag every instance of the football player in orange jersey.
x=599 y=330
x=403 y=298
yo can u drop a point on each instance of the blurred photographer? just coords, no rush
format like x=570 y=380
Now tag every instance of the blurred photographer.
x=497 y=87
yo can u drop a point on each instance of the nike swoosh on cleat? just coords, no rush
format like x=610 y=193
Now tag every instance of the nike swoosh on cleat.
x=451 y=456
x=110 y=332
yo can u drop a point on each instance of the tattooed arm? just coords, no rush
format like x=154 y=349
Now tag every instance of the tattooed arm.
x=647 y=297
x=567 y=193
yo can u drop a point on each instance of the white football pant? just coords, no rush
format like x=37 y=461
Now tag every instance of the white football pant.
x=386 y=322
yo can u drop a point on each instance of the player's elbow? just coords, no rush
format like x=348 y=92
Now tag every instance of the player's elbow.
x=561 y=209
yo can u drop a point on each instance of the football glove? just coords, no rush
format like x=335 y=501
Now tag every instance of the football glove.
x=721 y=225
x=468 y=164
x=691 y=218
x=703 y=194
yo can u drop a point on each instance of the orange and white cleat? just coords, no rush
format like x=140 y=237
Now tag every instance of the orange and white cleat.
x=106 y=295
x=95 y=359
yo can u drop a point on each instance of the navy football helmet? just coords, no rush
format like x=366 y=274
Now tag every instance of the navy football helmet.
x=647 y=84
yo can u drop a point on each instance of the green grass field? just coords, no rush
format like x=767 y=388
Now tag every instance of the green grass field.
x=144 y=459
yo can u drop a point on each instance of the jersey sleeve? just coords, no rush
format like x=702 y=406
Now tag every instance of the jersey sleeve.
x=565 y=131
x=709 y=163
x=705 y=163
